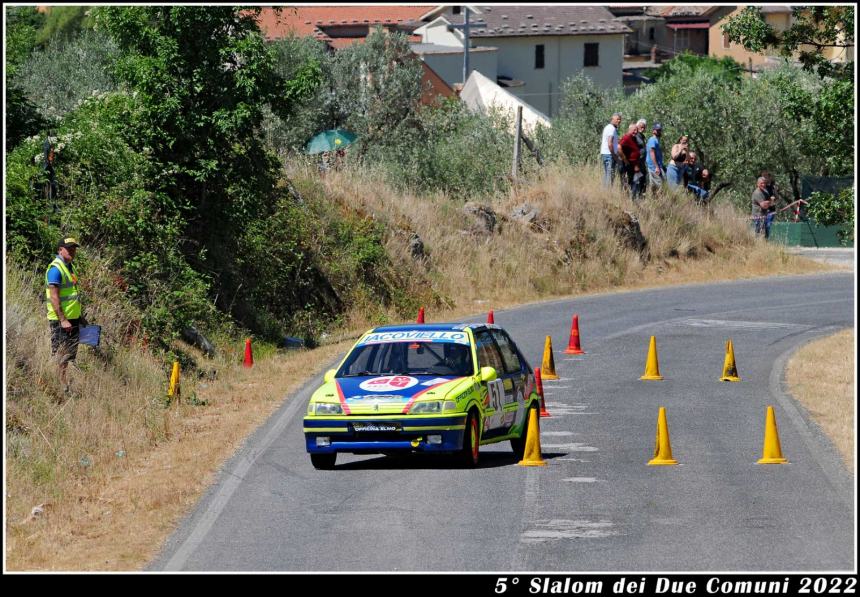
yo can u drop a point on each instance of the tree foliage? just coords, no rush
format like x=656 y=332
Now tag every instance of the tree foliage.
x=828 y=209
x=813 y=29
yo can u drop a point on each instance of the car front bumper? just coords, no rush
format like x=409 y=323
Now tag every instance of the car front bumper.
x=374 y=434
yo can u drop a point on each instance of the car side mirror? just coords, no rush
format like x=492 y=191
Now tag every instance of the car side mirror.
x=488 y=374
x=329 y=375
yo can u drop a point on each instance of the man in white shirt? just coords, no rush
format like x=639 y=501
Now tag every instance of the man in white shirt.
x=609 y=149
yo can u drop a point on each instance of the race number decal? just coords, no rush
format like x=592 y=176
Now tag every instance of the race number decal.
x=497 y=393
x=389 y=383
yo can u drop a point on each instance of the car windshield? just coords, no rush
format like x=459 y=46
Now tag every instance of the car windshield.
x=409 y=358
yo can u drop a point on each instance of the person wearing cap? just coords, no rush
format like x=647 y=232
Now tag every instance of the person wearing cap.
x=64 y=306
x=654 y=158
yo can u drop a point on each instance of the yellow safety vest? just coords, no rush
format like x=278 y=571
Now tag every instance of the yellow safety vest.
x=69 y=300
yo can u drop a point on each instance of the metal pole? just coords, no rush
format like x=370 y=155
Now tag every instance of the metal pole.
x=517 y=134
x=466 y=41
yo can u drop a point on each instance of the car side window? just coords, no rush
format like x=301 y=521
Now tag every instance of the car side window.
x=488 y=352
x=509 y=352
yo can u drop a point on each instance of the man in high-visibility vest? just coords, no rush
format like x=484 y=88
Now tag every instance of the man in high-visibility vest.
x=64 y=306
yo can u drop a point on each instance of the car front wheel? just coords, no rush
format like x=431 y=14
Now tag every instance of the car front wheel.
x=324 y=461
x=469 y=455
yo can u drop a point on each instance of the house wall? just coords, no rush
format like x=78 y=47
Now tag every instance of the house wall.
x=563 y=58
x=438 y=33
x=450 y=66
x=779 y=21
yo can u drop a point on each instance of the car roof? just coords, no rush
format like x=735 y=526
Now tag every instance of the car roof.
x=433 y=327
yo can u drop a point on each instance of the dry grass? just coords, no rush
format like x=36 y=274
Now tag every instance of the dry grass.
x=821 y=376
x=573 y=248
x=115 y=469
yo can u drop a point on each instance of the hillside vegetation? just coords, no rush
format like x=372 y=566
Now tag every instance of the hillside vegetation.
x=179 y=166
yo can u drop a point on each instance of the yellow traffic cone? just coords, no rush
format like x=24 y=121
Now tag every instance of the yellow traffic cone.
x=532 y=455
x=662 y=447
x=547 y=369
x=173 y=389
x=771 y=451
x=730 y=370
x=652 y=367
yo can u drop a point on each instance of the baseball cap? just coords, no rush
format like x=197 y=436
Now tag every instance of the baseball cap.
x=68 y=242
x=657 y=127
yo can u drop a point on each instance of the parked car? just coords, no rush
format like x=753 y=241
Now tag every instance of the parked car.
x=436 y=388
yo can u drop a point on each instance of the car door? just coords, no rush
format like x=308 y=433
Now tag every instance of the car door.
x=515 y=379
x=494 y=401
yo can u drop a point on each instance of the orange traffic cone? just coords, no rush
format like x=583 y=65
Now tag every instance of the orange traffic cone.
x=174 y=389
x=730 y=370
x=420 y=315
x=547 y=368
x=532 y=456
x=573 y=346
x=543 y=411
x=771 y=451
x=490 y=318
x=652 y=366
x=662 y=448
x=249 y=356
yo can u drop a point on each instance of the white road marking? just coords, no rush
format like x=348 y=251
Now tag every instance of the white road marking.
x=580 y=480
x=551 y=530
x=557 y=433
x=725 y=323
x=575 y=447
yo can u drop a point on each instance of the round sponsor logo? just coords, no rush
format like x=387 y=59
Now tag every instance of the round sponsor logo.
x=389 y=383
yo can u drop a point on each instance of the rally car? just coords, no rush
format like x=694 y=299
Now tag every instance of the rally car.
x=436 y=388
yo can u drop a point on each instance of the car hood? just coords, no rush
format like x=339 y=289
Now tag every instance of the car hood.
x=390 y=394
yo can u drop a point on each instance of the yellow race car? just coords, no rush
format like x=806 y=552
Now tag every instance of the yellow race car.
x=441 y=388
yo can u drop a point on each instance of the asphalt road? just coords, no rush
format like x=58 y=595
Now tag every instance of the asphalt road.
x=596 y=506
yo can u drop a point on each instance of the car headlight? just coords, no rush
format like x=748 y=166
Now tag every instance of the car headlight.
x=327 y=408
x=431 y=406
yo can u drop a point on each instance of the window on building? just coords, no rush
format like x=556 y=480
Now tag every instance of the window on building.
x=591 y=55
x=651 y=33
x=539 y=55
x=726 y=43
x=456 y=10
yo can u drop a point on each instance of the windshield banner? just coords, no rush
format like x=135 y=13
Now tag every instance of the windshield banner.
x=416 y=336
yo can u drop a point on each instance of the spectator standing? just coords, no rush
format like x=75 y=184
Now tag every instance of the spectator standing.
x=674 y=171
x=763 y=207
x=641 y=141
x=654 y=158
x=609 y=149
x=696 y=179
x=629 y=150
x=64 y=306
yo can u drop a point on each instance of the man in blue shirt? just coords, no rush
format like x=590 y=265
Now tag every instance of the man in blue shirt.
x=654 y=158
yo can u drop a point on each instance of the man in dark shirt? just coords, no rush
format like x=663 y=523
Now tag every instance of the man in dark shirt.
x=697 y=179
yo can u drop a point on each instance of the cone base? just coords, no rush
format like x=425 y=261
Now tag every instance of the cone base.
x=771 y=461
x=652 y=377
x=544 y=413
x=549 y=375
x=730 y=378
x=531 y=463
x=661 y=461
x=574 y=351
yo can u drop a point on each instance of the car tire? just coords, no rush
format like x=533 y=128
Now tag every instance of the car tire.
x=325 y=461
x=470 y=454
x=518 y=445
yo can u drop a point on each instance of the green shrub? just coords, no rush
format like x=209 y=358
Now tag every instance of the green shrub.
x=830 y=210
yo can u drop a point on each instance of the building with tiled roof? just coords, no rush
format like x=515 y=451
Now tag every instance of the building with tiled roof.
x=341 y=26
x=539 y=47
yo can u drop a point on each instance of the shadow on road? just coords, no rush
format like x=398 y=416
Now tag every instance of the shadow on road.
x=434 y=461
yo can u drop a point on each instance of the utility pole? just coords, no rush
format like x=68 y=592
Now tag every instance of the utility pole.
x=465 y=27
x=517 y=135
